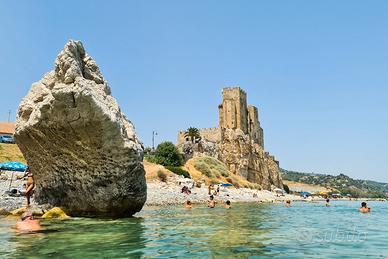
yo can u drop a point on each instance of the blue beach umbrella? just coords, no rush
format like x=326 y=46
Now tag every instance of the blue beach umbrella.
x=226 y=185
x=13 y=166
x=305 y=194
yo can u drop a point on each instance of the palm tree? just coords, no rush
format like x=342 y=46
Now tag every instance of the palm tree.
x=193 y=134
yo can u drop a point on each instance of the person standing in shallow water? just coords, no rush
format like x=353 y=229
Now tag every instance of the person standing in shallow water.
x=327 y=204
x=212 y=203
x=227 y=205
x=288 y=203
x=30 y=185
x=364 y=208
x=188 y=205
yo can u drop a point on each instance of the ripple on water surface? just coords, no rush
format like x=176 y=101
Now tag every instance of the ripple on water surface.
x=307 y=230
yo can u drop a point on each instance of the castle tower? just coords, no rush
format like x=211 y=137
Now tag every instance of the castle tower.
x=255 y=131
x=233 y=113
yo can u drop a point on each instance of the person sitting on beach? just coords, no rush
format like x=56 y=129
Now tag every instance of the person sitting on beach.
x=364 y=208
x=327 y=203
x=227 y=205
x=212 y=203
x=188 y=205
x=288 y=203
x=30 y=185
x=28 y=223
x=186 y=190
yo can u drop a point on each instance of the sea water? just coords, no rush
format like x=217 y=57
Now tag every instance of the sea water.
x=248 y=230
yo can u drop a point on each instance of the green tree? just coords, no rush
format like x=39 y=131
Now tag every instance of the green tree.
x=167 y=154
x=193 y=134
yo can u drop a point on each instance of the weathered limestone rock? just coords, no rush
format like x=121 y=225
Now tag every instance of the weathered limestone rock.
x=202 y=148
x=82 y=150
x=4 y=212
x=248 y=159
x=34 y=210
x=55 y=213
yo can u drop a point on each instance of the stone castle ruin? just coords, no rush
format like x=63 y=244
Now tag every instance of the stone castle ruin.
x=238 y=141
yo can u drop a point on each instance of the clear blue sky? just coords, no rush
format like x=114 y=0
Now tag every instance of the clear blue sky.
x=317 y=70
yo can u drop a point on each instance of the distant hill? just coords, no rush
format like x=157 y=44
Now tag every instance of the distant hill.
x=341 y=183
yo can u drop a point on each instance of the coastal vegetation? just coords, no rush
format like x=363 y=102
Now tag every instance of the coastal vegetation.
x=166 y=154
x=340 y=183
x=193 y=134
x=179 y=171
x=211 y=167
x=212 y=171
x=162 y=176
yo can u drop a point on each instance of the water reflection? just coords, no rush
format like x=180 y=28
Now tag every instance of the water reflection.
x=240 y=234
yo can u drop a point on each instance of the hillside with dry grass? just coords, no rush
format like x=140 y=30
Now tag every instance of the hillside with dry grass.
x=11 y=153
x=212 y=171
x=205 y=170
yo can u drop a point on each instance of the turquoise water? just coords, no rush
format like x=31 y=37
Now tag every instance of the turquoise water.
x=306 y=230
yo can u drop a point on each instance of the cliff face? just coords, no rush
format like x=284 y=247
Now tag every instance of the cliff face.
x=248 y=159
x=238 y=142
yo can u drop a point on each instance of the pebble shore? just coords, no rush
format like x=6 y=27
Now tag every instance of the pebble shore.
x=158 y=193
x=7 y=202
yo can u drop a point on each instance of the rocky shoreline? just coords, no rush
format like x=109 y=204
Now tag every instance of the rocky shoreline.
x=159 y=194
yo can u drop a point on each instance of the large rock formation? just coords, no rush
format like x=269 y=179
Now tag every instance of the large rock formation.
x=238 y=141
x=82 y=150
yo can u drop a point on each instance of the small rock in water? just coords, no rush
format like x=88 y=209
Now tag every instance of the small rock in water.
x=55 y=213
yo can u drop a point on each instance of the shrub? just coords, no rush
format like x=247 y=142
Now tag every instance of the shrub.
x=211 y=167
x=162 y=176
x=178 y=171
x=204 y=168
x=150 y=158
x=214 y=181
x=167 y=154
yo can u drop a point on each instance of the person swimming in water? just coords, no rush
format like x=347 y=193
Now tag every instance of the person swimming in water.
x=188 y=205
x=28 y=223
x=30 y=185
x=327 y=204
x=212 y=203
x=364 y=208
x=227 y=205
x=288 y=203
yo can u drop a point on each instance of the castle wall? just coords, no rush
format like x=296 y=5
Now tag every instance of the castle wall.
x=207 y=134
x=211 y=134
